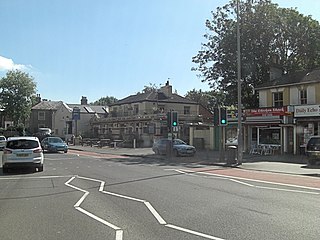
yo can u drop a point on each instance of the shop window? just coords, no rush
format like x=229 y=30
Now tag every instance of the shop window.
x=278 y=99
x=269 y=136
x=303 y=96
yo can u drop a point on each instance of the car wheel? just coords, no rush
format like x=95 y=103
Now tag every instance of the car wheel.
x=65 y=151
x=40 y=168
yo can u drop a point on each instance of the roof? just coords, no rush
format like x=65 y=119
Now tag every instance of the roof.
x=153 y=97
x=22 y=138
x=300 y=77
x=48 y=105
x=90 y=108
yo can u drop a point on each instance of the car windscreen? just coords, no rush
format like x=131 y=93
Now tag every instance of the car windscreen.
x=22 y=144
x=55 y=140
x=314 y=142
x=2 y=138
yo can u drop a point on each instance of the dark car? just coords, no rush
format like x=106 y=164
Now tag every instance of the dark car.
x=313 y=150
x=180 y=148
x=54 y=144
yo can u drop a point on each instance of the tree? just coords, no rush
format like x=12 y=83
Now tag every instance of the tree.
x=105 y=101
x=208 y=99
x=17 y=90
x=269 y=35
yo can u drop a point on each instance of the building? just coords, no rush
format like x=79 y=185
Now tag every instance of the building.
x=288 y=111
x=143 y=117
x=59 y=117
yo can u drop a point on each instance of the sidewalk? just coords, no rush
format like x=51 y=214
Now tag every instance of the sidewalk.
x=289 y=164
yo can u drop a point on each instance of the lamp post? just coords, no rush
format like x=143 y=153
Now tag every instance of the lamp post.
x=239 y=130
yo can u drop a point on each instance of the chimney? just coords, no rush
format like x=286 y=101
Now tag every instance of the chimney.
x=84 y=101
x=167 y=89
x=38 y=98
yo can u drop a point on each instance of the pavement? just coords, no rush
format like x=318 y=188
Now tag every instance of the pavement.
x=288 y=164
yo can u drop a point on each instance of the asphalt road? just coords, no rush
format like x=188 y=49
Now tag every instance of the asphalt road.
x=120 y=198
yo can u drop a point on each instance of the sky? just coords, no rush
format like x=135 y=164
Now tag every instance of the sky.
x=98 y=48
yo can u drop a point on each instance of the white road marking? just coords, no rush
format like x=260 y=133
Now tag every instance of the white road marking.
x=193 y=232
x=233 y=178
x=155 y=213
x=119 y=232
x=40 y=177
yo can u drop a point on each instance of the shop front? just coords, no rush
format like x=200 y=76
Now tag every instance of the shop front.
x=307 y=118
x=269 y=129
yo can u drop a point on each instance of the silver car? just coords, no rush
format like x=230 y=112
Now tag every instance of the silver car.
x=179 y=147
x=3 y=142
x=22 y=152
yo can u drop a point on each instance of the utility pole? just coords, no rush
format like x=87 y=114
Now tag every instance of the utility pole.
x=240 y=138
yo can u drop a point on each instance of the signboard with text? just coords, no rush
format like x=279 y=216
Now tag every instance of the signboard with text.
x=307 y=111
x=76 y=114
x=272 y=111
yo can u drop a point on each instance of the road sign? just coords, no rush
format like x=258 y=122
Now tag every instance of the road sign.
x=76 y=114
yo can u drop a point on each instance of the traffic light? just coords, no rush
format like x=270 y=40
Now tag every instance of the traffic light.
x=174 y=119
x=169 y=119
x=216 y=117
x=223 y=117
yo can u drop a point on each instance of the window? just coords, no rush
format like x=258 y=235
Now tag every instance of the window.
x=136 y=109
x=303 y=96
x=41 y=116
x=186 y=110
x=278 y=99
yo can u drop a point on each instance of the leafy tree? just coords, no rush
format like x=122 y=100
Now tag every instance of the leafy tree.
x=269 y=35
x=208 y=99
x=104 y=101
x=17 y=90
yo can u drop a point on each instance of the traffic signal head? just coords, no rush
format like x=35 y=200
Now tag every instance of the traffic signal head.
x=223 y=117
x=216 y=116
x=174 y=119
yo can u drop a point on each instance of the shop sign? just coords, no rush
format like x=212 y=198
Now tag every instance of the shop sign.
x=307 y=111
x=273 y=111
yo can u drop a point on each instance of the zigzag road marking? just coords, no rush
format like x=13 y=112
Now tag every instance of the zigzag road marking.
x=119 y=231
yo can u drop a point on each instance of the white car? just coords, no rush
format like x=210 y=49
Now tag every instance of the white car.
x=3 y=142
x=22 y=152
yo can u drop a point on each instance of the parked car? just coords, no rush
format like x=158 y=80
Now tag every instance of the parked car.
x=313 y=150
x=179 y=147
x=22 y=152
x=3 y=142
x=54 y=144
x=43 y=133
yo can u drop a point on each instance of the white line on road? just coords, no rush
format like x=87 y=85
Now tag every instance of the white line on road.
x=193 y=232
x=39 y=177
x=146 y=203
x=119 y=231
x=155 y=213
x=233 y=178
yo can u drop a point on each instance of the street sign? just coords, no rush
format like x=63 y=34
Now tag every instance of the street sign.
x=175 y=129
x=76 y=114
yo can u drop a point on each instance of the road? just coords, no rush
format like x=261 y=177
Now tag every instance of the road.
x=94 y=196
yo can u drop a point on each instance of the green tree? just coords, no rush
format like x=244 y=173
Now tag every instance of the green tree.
x=208 y=99
x=269 y=34
x=105 y=101
x=17 y=90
